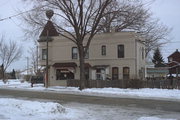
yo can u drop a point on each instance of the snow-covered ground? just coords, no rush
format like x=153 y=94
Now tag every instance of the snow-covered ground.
x=145 y=93
x=18 y=109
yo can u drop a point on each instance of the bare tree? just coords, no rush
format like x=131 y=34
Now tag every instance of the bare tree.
x=33 y=51
x=9 y=53
x=126 y=15
x=76 y=20
x=156 y=35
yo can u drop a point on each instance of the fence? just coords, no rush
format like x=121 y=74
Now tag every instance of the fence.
x=163 y=83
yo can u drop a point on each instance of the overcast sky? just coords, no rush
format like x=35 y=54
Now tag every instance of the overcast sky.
x=166 y=10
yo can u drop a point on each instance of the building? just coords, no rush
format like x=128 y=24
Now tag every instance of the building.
x=154 y=71
x=157 y=72
x=113 y=56
x=174 y=62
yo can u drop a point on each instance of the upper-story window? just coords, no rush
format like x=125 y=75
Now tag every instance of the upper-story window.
x=143 y=53
x=87 y=54
x=103 y=50
x=120 y=51
x=170 y=59
x=74 y=53
x=44 y=54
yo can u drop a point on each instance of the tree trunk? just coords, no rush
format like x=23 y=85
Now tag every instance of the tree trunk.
x=3 y=76
x=81 y=62
x=3 y=73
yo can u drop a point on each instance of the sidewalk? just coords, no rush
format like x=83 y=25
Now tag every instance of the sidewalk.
x=146 y=93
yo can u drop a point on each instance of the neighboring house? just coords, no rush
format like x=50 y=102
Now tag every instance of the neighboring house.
x=152 y=71
x=174 y=62
x=157 y=72
x=113 y=56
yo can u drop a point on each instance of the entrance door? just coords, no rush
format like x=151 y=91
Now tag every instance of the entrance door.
x=87 y=73
x=115 y=72
x=126 y=72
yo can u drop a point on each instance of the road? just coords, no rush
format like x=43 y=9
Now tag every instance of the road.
x=173 y=106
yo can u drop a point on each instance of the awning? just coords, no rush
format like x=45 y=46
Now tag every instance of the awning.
x=87 y=65
x=68 y=64
x=100 y=66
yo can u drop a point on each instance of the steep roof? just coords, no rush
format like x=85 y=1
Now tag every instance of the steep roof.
x=51 y=30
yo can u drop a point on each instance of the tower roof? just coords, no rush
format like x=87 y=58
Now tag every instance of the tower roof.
x=51 y=30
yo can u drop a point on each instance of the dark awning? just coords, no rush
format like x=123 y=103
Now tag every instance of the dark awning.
x=68 y=64
x=87 y=65
x=100 y=66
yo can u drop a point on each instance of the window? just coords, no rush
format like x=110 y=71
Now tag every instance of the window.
x=103 y=50
x=126 y=71
x=115 y=72
x=120 y=51
x=44 y=54
x=64 y=74
x=87 y=54
x=74 y=53
x=142 y=53
x=100 y=74
x=170 y=59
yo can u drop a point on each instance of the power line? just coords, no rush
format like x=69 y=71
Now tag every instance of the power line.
x=174 y=42
x=22 y=13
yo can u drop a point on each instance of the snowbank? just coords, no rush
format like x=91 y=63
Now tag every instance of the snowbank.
x=153 y=118
x=14 y=109
x=144 y=92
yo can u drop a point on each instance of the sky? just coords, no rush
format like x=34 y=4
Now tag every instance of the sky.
x=167 y=11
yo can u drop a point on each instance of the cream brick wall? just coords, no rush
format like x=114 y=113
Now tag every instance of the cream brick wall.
x=60 y=50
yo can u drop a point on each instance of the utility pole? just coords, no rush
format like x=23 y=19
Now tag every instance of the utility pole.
x=37 y=59
x=49 y=14
x=46 y=82
x=27 y=65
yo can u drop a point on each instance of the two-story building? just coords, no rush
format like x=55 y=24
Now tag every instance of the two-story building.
x=174 y=63
x=113 y=56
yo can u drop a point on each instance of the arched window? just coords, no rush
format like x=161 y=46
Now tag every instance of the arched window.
x=126 y=71
x=115 y=73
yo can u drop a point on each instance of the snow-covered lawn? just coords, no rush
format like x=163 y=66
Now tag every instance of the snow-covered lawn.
x=16 y=109
x=145 y=93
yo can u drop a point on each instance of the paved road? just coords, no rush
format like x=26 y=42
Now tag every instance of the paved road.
x=173 y=106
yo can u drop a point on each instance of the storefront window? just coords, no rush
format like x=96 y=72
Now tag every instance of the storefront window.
x=100 y=74
x=64 y=74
